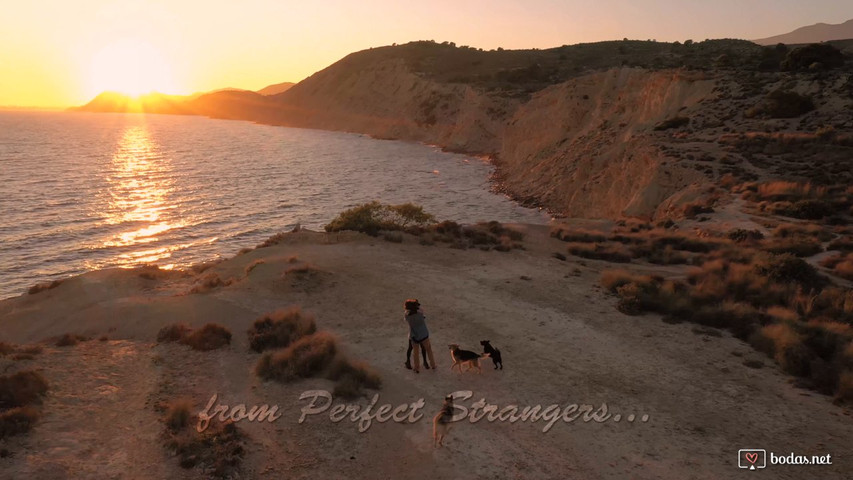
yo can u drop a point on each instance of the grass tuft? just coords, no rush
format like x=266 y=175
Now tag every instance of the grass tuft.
x=280 y=328
x=302 y=359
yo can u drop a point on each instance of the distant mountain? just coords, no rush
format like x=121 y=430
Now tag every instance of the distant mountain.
x=276 y=89
x=820 y=32
x=154 y=102
x=226 y=103
x=226 y=89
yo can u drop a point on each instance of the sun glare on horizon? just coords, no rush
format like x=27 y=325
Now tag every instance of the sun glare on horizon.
x=132 y=67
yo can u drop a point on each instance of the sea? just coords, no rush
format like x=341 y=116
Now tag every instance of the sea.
x=85 y=191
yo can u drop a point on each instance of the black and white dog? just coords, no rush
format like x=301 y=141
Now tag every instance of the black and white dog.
x=494 y=353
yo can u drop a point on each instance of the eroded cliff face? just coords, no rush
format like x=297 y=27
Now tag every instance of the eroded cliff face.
x=586 y=147
x=390 y=101
x=581 y=148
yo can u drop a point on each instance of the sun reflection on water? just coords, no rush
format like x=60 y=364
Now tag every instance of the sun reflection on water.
x=139 y=198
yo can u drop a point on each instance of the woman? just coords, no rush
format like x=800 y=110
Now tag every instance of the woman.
x=418 y=333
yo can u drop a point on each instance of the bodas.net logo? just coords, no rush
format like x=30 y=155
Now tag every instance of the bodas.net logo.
x=752 y=458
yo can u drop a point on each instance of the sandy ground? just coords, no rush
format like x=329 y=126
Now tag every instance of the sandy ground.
x=562 y=342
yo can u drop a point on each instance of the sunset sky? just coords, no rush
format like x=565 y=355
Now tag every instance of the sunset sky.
x=60 y=53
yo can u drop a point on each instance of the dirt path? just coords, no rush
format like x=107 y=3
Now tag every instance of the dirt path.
x=96 y=423
x=562 y=341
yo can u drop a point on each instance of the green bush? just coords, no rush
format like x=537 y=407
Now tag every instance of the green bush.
x=739 y=235
x=817 y=56
x=374 y=217
x=783 y=104
x=805 y=209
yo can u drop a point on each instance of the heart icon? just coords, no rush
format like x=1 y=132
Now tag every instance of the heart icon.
x=751 y=457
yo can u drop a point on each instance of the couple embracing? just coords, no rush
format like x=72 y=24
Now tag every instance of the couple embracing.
x=418 y=336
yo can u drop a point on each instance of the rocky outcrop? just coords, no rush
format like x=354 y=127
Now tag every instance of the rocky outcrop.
x=389 y=101
x=584 y=147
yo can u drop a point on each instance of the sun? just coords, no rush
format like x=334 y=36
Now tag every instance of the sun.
x=132 y=67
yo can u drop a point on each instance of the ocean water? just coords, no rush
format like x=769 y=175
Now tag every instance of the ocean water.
x=82 y=191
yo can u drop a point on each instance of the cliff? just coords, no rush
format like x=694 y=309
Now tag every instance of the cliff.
x=612 y=129
x=583 y=147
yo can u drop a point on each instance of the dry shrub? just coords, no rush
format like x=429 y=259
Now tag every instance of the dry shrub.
x=393 y=237
x=303 y=269
x=778 y=302
x=252 y=266
x=607 y=252
x=804 y=209
x=6 y=349
x=18 y=393
x=280 y=328
x=208 y=282
x=613 y=279
x=784 y=344
x=173 y=333
x=741 y=235
x=499 y=230
x=483 y=235
x=843 y=244
x=292 y=259
x=841 y=265
x=16 y=421
x=347 y=387
x=790 y=191
x=200 y=268
x=799 y=247
x=302 y=359
x=70 y=339
x=788 y=268
x=352 y=377
x=273 y=240
x=578 y=235
x=31 y=349
x=179 y=414
x=41 y=287
x=666 y=256
x=219 y=450
x=841 y=329
x=831 y=262
x=21 y=389
x=149 y=272
x=208 y=337
x=782 y=314
x=791 y=230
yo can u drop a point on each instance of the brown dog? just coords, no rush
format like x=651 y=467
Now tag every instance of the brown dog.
x=465 y=357
x=441 y=422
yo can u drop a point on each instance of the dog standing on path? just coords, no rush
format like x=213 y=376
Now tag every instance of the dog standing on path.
x=493 y=352
x=441 y=422
x=465 y=357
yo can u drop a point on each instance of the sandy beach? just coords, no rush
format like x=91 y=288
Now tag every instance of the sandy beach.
x=561 y=339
